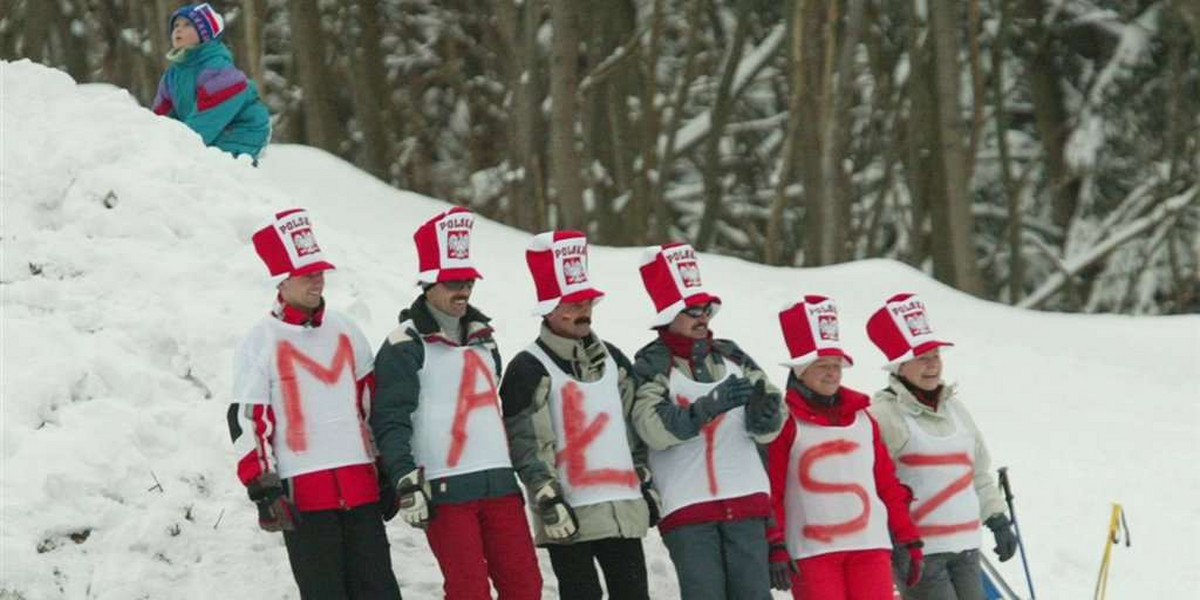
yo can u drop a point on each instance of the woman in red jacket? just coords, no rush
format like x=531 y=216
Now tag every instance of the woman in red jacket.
x=837 y=504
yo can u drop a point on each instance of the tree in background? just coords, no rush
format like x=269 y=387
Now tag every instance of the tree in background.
x=1039 y=153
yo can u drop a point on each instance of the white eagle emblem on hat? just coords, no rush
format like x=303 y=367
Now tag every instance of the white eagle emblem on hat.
x=458 y=244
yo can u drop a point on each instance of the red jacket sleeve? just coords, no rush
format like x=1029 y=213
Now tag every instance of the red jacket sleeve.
x=895 y=495
x=252 y=428
x=778 y=453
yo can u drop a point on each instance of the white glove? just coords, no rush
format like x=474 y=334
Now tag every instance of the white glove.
x=412 y=493
x=558 y=518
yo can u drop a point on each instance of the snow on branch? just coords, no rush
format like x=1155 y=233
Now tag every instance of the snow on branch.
x=694 y=131
x=1085 y=259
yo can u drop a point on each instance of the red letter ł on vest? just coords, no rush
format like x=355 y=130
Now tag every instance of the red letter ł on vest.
x=826 y=532
x=579 y=435
x=469 y=400
x=286 y=357
x=955 y=487
x=710 y=439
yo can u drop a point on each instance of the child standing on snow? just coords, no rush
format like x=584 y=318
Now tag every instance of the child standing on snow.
x=202 y=88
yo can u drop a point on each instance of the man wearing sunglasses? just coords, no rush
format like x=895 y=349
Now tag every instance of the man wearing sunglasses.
x=566 y=397
x=702 y=408
x=438 y=426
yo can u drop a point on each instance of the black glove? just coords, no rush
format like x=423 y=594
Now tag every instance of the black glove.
x=653 y=500
x=762 y=410
x=907 y=562
x=1006 y=540
x=732 y=393
x=389 y=502
x=274 y=512
x=782 y=571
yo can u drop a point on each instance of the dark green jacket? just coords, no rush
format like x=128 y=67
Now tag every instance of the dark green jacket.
x=398 y=392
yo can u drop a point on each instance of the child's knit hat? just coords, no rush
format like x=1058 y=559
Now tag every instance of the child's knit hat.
x=208 y=22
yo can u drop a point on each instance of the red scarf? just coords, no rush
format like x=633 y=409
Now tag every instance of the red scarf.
x=297 y=316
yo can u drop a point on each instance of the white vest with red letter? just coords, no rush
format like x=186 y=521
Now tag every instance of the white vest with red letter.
x=831 y=501
x=941 y=472
x=720 y=463
x=457 y=427
x=308 y=375
x=593 y=458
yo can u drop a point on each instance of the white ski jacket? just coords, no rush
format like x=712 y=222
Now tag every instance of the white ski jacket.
x=893 y=404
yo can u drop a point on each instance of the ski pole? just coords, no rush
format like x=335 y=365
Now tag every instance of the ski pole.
x=994 y=573
x=1008 y=499
x=1116 y=524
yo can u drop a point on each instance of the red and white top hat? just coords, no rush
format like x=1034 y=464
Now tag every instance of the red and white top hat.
x=288 y=246
x=810 y=330
x=671 y=274
x=444 y=247
x=901 y=329
x=558 y=262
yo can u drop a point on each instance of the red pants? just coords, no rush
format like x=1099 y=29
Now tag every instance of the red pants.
x=485 y=538
x=852 y=575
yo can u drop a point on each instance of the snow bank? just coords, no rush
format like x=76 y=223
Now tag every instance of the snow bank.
x=128 y=277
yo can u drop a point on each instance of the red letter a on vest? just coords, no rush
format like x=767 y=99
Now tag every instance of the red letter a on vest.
x=286 y=357
x=469 y=400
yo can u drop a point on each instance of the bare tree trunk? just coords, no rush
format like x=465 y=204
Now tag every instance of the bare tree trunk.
x=827 y=217
x=1052 y=118
x=953 y=236
x=652 y=176
x=722 y=108
x=38 y=15
x=320 y=121
x=73 y=47
x=1016 y=262
x=773 y=251
x=518 y=29
x=564 y=159
x=369 y=89
x=252 y=30
x=978 y=87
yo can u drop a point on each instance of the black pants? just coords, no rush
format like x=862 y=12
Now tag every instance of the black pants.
x=621 y=560
x=342 y=554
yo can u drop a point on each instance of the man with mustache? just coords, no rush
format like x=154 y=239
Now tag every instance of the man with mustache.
x=438 y=425
x=302 y=383
x=566 y=398
x=702 y=407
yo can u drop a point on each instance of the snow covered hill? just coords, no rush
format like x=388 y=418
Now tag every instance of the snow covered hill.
x=127 y=278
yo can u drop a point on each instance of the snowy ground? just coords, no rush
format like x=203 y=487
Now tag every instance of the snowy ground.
x=121 y=309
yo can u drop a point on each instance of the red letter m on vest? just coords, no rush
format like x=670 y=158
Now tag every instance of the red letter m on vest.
x=286 y=358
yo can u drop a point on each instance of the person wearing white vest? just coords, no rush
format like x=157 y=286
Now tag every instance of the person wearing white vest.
x=839 y=508
x=440 y=430
x=939 y=453
x=702 y=408
x=302 y=385
x=566 y=398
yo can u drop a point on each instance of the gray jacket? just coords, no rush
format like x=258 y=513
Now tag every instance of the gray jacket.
x=525 y=393
x=661 y=423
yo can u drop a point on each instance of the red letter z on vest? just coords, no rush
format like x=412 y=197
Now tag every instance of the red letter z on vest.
x=957 y=486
